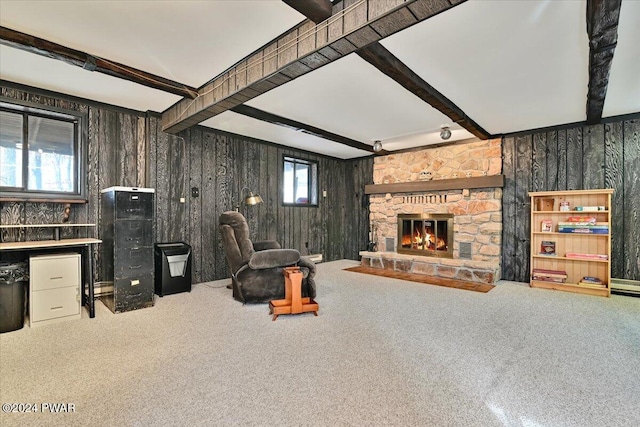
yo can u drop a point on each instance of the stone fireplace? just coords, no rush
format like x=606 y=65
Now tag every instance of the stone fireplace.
x=407 y=222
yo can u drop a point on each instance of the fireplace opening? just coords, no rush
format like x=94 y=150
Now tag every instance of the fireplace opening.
x=426 y=234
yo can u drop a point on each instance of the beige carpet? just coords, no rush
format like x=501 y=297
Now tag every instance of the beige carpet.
x=421 y=278
x=382 y=352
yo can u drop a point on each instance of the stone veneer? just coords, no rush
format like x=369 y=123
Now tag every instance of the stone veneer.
x=478 y=212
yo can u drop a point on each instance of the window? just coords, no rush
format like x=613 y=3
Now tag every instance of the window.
x=40 y=153
x=300 y=186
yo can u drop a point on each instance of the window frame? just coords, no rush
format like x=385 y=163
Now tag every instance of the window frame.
x=80 y=143
x=312 y=181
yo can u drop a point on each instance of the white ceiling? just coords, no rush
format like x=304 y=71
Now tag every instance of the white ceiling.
x=509 y=65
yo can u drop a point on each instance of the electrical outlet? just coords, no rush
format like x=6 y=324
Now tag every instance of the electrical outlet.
x=195 y=191
x=182 y=200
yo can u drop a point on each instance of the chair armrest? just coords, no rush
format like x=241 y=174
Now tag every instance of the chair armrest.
x=306 y=263
x=262 y=245
x=272 y=258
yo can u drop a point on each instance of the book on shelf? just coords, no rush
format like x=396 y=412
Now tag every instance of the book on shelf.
x=592 y=279
x=548 y=247
x=559 y=273
x=588 y=224
x=583 y=230
x=556 y=276
x=546 y=225
x=549 y=279
x=586 y=256
x=589 y=219
x=590 y=208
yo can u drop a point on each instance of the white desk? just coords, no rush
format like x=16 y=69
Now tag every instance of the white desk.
x=85 y=245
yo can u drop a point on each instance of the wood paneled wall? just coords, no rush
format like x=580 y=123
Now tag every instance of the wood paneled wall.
x=220 y=165
x=588 y=157
x=129 y=149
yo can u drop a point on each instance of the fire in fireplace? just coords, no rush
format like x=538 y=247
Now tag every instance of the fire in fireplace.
x=425 y=234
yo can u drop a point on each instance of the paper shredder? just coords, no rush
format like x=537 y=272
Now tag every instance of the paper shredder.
x=173 y=268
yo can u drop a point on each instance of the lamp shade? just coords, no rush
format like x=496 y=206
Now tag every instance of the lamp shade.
x=253 y=199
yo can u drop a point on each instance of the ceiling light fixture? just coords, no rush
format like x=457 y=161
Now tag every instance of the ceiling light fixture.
x=377 y=146
x=445 y=132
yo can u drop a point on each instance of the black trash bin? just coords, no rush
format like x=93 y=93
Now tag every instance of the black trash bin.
x=14 y=282
x=173 y=268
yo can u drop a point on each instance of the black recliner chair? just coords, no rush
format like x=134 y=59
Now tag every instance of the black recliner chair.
x=256 y=267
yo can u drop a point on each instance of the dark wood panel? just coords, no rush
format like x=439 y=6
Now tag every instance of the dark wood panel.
x=127 y=155
x=163 y=157
x=208 y=192
x=270 y=222
x=508 y=209
x=195 y=203
x=613 y=178
x=552 y=161
x=225 y=162
x=562 y=159
x=593 y=157
x=574 y=159
x=632 y=199
x=178 y=174
x=539 y=163
x=523 y=161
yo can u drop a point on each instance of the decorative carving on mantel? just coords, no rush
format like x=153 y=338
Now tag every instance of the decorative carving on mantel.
x=492 y=181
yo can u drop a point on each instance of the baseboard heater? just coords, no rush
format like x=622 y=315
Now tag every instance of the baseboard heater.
x=627 y=287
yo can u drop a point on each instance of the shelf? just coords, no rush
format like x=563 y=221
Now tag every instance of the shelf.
x=571 y=213
x=491 y=181
x=555 y=233
x=570 y=287
x=569 y=259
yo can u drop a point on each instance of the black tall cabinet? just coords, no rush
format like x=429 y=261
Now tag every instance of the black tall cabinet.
x=127 y=247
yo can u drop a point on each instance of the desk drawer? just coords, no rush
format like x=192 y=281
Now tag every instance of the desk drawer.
x=54 y=303
x=54 y=271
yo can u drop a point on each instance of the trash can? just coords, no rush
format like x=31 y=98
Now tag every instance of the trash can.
x=173 y=268
x=14 y=282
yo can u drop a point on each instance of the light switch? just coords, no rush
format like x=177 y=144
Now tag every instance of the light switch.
x=324 y=193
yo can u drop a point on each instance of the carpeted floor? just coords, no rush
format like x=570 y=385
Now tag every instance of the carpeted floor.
x=421 y=278
x=381 y=352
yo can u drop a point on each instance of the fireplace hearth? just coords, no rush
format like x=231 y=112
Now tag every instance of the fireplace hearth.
x=425 y=234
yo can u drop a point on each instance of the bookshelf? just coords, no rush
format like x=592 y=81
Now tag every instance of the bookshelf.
x=578 y=245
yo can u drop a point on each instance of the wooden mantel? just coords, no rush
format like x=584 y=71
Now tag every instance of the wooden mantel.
x=492 y=181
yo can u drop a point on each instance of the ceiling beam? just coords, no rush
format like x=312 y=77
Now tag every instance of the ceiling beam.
x=28 y=43
x=378 y=56
x=300 y=50
x=265 y=116
x=316 y=10
x=602 y=29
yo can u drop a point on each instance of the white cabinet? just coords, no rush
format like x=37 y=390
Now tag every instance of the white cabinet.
x=54 y=288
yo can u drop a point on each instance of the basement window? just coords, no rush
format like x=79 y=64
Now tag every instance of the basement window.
x=41 y=153
x=300 y=182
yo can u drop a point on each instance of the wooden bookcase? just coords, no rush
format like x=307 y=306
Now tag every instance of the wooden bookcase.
x=543 y=209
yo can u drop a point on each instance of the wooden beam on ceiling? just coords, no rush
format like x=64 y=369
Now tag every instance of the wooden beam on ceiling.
x=352 y=25
x=265 y=116
x=316 y=10
x=378 y=56
x=28 y=43
x=602 y=29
